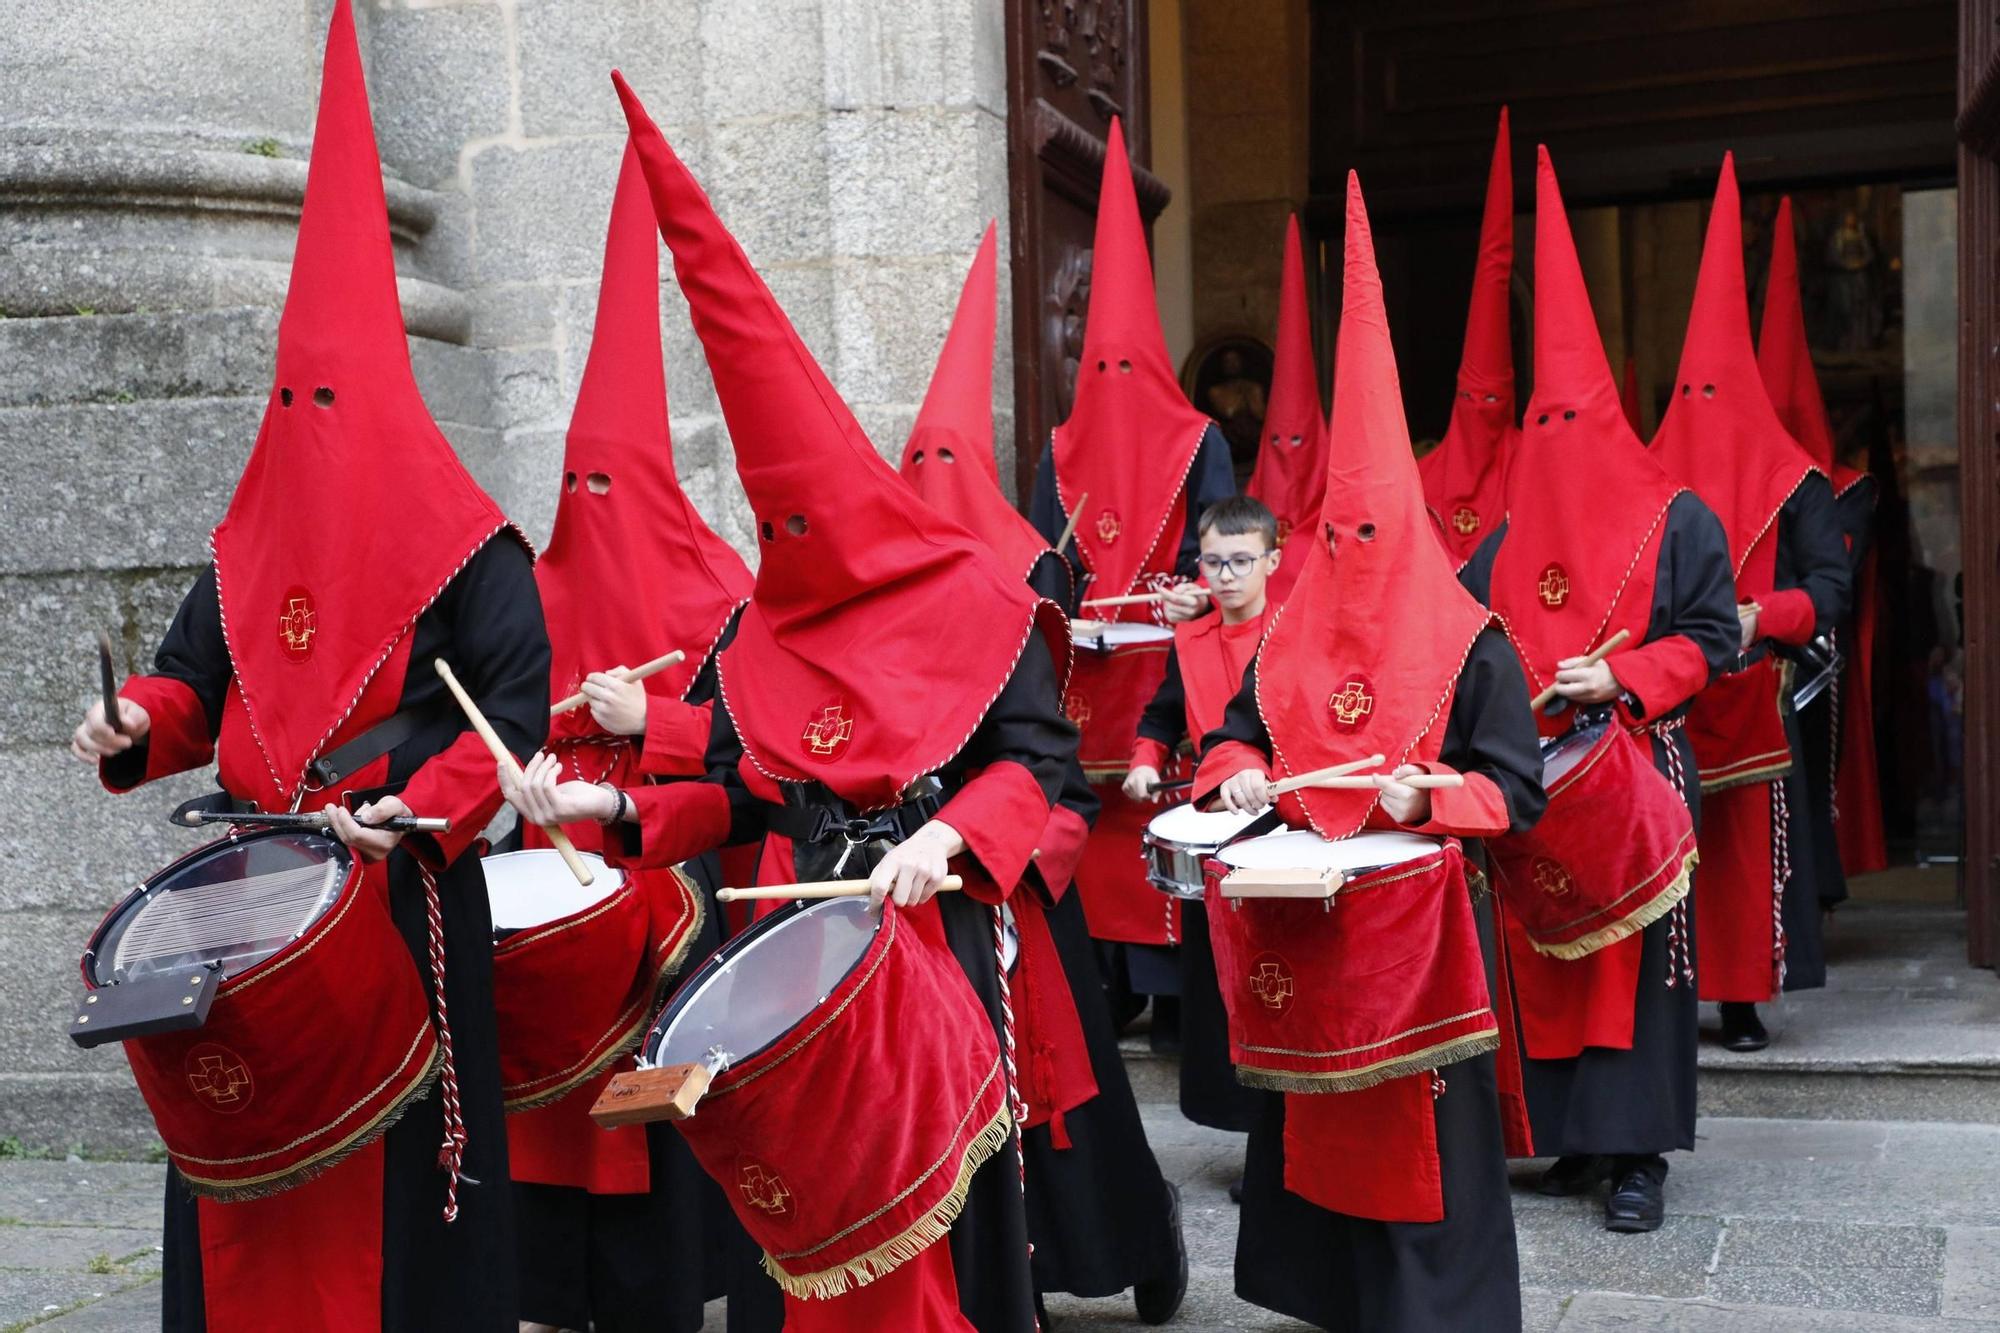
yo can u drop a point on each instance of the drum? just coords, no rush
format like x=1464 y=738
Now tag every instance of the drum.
x=1279 y=864
x=843 y=1134
x=578 y=971
x=1179 y=842
x=316 y=1028
x=1117 y=673
x=1819 y=665
x=1612 y=854
x=1386 y=981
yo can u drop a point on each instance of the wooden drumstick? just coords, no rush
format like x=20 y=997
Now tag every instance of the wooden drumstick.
x=1363 y=781
x=107 y=680
x=1318 y=776
x=1069 y=528
x=1596 y=655
x=1133 y=599
x=629 y=675
x=505 y=758
x=832 y=888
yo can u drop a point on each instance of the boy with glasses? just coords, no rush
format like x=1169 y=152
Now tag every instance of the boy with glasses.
x=1239 y=552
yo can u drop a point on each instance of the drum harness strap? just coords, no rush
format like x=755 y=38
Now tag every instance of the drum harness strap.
x=1680 y=959
x=814 y=816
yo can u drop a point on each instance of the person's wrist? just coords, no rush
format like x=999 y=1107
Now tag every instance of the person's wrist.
x=613 y=807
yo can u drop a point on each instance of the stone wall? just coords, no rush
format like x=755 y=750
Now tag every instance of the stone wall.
x=151 y=166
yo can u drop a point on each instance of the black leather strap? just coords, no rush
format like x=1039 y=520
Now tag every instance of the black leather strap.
x=341 y=761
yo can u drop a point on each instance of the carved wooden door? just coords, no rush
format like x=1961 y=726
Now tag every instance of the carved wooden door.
x=1071 y=66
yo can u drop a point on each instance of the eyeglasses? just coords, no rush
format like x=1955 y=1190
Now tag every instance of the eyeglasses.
x=1239 y=566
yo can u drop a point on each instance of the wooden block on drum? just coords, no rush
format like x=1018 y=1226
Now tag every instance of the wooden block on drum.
x=1271 y=882
x=640 y=1096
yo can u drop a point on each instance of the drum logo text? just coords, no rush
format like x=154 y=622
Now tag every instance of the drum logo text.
x=1552 y=879
x=297 y=624
x=218 y=1078
x=1553 y=588
x=1271 y=981
x=1464 y=521
x=1108 y=527
x=763 y=1190
x=828 y=730
x=1352 y=703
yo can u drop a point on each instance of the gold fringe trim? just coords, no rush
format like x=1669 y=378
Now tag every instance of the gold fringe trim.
x=1628 y=926
x=1450 y=1052
x=623 y=1041
x=279 y=1181
x=1744 y=777
x=891 y=1254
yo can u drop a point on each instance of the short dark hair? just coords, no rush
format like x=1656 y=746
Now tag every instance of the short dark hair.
x=1238 y=515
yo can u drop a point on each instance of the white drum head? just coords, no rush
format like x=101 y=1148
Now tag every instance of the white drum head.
x=1120 y=633
x=1187 y=826
x=532 y=888
x=761 y=984
x=1306 y=850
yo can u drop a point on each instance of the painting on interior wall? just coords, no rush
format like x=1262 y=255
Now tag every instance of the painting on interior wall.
x=1230 y=379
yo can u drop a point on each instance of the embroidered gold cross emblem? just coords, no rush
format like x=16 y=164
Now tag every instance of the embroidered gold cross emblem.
x=1108 y=527
x=1464 y=521
x=219 y=1078
x=828 y=731
x=1353 y=703
x=1554 y=587
x=297 y=625
x=1270 y=983
x=1552 y=879
x=764 y=1191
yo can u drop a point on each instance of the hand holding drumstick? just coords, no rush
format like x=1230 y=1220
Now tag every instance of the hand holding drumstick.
x=1587 y=679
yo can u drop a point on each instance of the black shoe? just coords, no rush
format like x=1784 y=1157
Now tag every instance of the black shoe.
x=1236 y=1191
x=1571 y=1175
x=1159 y=1299
x=1742 y=1030
x=1638 y=1201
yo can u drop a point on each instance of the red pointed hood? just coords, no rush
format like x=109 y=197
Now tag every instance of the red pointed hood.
x=836 y=673
x=353 y=512
x=1785 y=360
x=1586 y=504
x=1132 y=435
x=641 y=542
x=1464 y=477
x=1721 y=435
x=1290 y=477
x=1367 y=650
x=949 y=456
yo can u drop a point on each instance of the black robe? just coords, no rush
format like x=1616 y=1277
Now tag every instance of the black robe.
x=1812 y=555
x=1209 y=479
x=1642 y=1100
x=1024 y=724
x=1209 y=1092
x=646 y=1263
x=488 y=624
x=1823 y=721
x=1351 y=1273
x=1098 y=1210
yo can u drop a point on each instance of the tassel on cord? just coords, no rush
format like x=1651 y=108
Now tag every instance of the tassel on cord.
x=451 y=1153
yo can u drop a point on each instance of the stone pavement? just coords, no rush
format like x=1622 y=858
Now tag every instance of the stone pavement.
x=1777 y=1225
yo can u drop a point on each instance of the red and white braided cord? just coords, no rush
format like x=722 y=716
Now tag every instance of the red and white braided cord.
x=1781 y=871
x=1007 y=1052
x=1680 y=957
x=1833 y=727
x=451 y=1153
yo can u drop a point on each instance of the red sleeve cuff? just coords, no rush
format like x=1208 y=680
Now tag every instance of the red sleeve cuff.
x=1060 y=850
x=1000 y=813
x=1222 y=763
x=1476 y=810
x=1661 y=675
x=677 y=821
x=176 y=740
x=1786 y=615
x=1149 y=753
x=676 y=741
x=457 y=783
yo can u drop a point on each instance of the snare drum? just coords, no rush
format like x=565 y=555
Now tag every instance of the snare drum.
x=842 y=1133
x=578 y=970
x=1613 y=852
x=1386 y=981
x=1179 y=842
x=319 y=1029
x=1117 y=673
